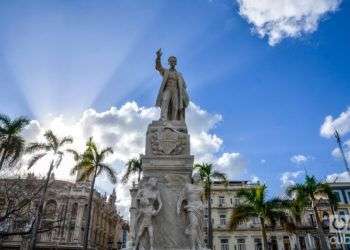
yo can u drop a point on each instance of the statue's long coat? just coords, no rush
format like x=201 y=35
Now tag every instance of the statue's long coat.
x=183 y=96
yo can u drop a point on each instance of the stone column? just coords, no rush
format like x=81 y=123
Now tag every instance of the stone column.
x=78 y=223
x=133 y=192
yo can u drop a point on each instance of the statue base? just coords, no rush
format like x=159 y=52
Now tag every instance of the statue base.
x=172 y=173
x=168 y=160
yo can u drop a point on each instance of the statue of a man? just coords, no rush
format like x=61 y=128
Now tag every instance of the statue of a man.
x=172 y=96
x=191 y=196
x=149 y=205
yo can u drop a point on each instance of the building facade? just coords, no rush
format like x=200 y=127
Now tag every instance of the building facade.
x=248 y=235
x=65 y=213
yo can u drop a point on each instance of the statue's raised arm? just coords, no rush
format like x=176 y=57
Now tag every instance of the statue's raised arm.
x=159 y=66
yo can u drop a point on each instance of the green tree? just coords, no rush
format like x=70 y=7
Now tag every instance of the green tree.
x=91 y=163
x=53 y=147
x=307 y=192
x=133 y=166
x=255 y=205
x=12 y=144
x=208 y=175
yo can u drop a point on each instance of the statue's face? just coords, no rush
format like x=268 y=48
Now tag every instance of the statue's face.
x=153 y=182
x=172 y=61
x=196 y=178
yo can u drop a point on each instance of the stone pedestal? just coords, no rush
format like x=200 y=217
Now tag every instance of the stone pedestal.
x=168 y=160
x=172 y=172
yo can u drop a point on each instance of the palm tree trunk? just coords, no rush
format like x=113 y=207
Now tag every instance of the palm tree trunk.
x=139 y=177
x=40 y=209
x=4 y=152
x=210 y=225
x=3 y=157
x=320 y=231
x=87 y=222
x=263 y=232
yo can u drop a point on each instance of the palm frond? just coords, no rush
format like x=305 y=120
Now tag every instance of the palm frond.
x=52 y=139
x=65 y=140
x=19 y=123
x=133 y=166
x=81 y=166
x=242 y=213
x=35 y=147
x=75 y=154
x=34 y=159
x=110 y=173
x=6 y=120
x=87 y=173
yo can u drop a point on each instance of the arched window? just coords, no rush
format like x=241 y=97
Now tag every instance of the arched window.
x=74 y=211
x=50 y=209
x=85 y=214
x=325 y=219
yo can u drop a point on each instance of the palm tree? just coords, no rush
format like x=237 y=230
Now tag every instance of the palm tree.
x=53 y=147
x=133 y=166
x=255 y=205
x=11 y=140
x=91 y=163
x=308 y=191
x=208 y=175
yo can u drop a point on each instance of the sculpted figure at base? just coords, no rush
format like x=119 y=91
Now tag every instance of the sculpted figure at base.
x=172 y=96
x=149 y=204
x=190 y=202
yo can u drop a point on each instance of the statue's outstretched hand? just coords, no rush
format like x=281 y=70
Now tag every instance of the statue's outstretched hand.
x=159 y=53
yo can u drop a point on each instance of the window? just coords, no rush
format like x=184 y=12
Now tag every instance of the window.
x=231 y=201
x=222 y=219
x=338 y=196
x=317 y=243
x=221 y=200
x=286 y=243
x=257 y=244
x=274 y=243
x=302 y=243
x=325 y=219
x=241 y=244
x=236 y=201
x=224 y=244
x=255 y=220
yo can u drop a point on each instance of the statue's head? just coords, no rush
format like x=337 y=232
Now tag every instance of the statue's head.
x=153 y=182
x=196 y=178
x=172 y=61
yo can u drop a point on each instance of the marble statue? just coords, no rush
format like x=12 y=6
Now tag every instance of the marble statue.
x=190 y=202
x=172 y=96
x=149 y=204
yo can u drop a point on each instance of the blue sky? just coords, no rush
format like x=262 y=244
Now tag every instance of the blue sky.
x=63 y=57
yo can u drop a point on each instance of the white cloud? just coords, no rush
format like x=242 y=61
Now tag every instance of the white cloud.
x=279 y=19
x=299 y=159
x=288 y=178
x=255 y=179
x=338 y=177
x=124 y=129
x=346 y=147
x=231 y=163
x=262 y=161
x=341 y=123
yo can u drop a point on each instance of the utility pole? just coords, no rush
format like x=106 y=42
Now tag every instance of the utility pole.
x=340 y=145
